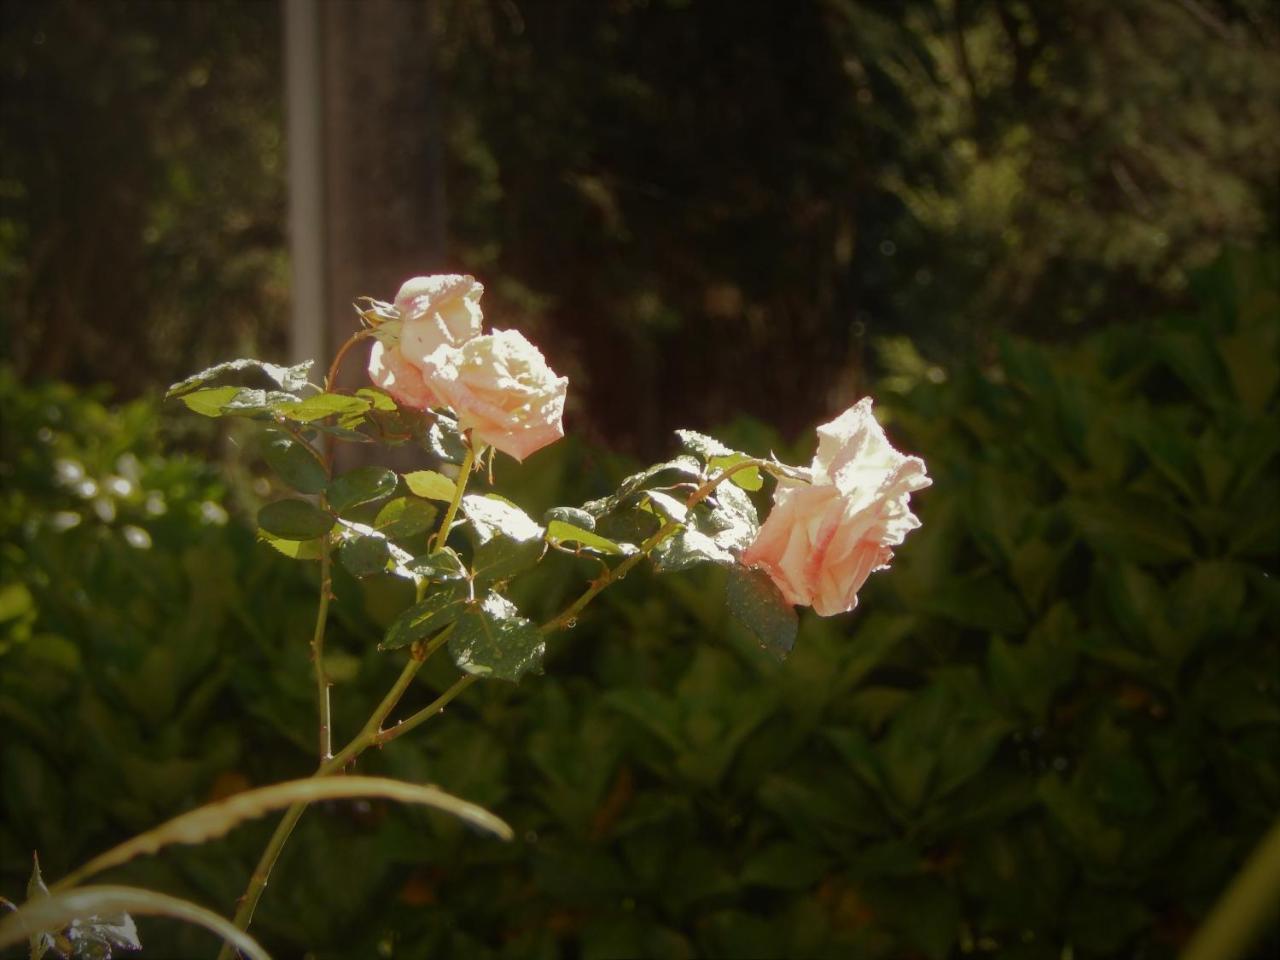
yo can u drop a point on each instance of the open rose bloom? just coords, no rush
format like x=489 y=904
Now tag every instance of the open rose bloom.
x=499 y=385
x=502 y=390
x=823 y=539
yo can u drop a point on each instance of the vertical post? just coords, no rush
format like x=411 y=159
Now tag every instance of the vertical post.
x=308 y=324
x=383 y=194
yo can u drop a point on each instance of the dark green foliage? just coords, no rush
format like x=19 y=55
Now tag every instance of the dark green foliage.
x=1055 y=722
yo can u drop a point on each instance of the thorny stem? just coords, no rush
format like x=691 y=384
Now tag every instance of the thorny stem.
x=327 y=446
x=371 y=733
x=361 y=742
x=426 y=713
x=317 y=654
x=570 y=613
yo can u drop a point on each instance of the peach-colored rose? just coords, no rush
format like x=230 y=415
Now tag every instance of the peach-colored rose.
x=434 y=312
x=502 y=390
x=823 y=539
x=400 y=378
x=437 y=311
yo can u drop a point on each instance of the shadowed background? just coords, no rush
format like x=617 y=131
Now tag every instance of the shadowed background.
x=1041 y=235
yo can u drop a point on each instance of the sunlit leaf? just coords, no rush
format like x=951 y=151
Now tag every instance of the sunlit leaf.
x=210 y=402
x=667 y=506
x=443 y=606
x=405 y=517
x=748 y=478
x=445 y=440
x=492 y=515
x=704 y=446
x=493 y=640
x=378 y=399
x=431 y=484
x=686 y=548
x=323 y=405
x=290 y=379
x=500 y=558
x=560 y=532
x=570 y=515
x=294 y=549
x=441 y=564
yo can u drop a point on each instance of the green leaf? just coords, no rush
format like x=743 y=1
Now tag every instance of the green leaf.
x=364 y=556
x=64 y=908
x=404 y=517
x=500 y=558
x=290 y=379
x=378 y=399
x=294 y=549
x=492 y=640
x=361 y=485
x=297 y=464
x=442 y=564
x=747 y=478
x=446 y=441
x=982 y=602
x=686 y=548
x=294 y=520
x=443 y=606
x=323 y=405
x=1029 y=674
x=666 y=506
x=572 y=516
x=255 y=403
x=704 y=446
x=560 y=532
x=786 y=866
x=732 y=520
x=682 y=466
x=1254 y=370
x=432 y=485
x=1132 y=527
x=210 y=403
x=491 y=515
x=755 y=601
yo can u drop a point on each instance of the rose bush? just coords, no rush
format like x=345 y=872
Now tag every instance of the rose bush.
x=824 y=538
x=460 y=394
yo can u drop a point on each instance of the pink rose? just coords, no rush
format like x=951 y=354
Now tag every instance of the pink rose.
x=389 y=369
x=437 y=311
x=502 y=390
x=434 y=312
x=823 y=539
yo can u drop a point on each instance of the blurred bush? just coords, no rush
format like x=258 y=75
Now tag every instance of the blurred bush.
x=1052 y=730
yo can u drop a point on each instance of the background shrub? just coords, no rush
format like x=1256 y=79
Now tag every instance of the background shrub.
x=1055 y=725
